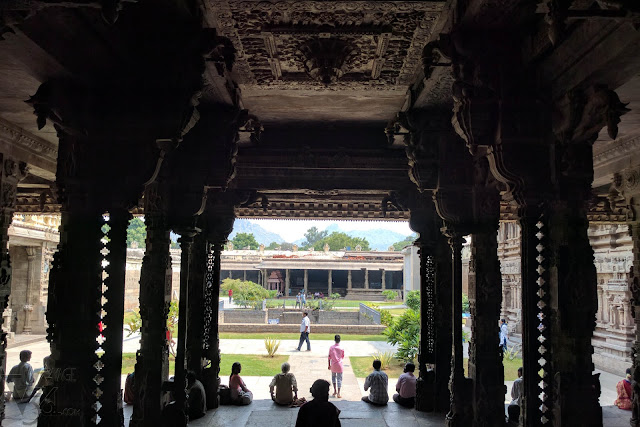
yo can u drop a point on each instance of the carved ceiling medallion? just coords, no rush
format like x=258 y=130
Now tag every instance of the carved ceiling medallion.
x=320 y=45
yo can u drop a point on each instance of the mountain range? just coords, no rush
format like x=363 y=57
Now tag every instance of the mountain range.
x=378 y=238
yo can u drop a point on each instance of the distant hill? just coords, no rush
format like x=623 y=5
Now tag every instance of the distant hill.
x=262 y=236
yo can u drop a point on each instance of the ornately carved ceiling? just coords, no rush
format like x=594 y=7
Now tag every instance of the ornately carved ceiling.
x=321 y=60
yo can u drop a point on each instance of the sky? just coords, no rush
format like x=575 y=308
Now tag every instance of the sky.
x=292 y=230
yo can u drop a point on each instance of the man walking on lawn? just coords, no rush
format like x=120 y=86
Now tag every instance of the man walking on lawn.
x=305 y=328
x=336 y=355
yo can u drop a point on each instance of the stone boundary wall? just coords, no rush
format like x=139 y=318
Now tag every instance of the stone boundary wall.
x=315 y=329
x=244 y=316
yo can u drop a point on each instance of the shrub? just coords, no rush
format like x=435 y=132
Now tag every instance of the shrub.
x=334 y=295
x=413 y=300
x=271 y=345
x=465 y=303
x=390 y=295
x=386 y=318
x=325 y=304
x=385 y=358
x=465 y=336
x=245 y=293
x=405 y=332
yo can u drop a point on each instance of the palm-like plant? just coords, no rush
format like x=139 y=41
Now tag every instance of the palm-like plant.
x=272 y=345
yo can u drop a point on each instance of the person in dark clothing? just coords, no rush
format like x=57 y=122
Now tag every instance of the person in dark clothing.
x=319 y=412
x=197 y=397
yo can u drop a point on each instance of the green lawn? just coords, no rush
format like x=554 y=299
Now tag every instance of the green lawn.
x=362 y=367
x=254 y=365
x=396 y=312
x=296 y=336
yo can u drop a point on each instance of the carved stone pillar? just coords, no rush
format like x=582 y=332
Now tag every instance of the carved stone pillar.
x=195 y=323
x=180 y=379
x=28 y=307
x=217 y=223
x=434 y=351
x=384 y=279
x=349 y=280
x=152 y=360
x=366 y=278
x=113 y=317
x=485 y=357
x=11 y=173
x=329 y=283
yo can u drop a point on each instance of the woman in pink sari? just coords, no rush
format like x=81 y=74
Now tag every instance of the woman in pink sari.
x=624 y=392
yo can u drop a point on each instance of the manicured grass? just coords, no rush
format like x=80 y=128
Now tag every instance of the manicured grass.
x=361 y=366
x=252 y=365
x=296 y=336
x=396 y=312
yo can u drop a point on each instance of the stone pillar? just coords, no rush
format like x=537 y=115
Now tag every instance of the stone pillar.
x=244 y=275
x=384 y=279
x=195 y=323
x=330 y=283
x=180 y=378
x=306 y=280
x=434 y=351
x=10 y=174
x=152 y=361
x=217 y=223
x=349 y=280
x=460 y=412
x=485 y=357
x=287 y=283
x=28 y=307
x=113 y=317
x=366 y=278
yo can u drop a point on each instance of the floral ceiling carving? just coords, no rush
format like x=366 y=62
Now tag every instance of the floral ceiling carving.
x=383 y=41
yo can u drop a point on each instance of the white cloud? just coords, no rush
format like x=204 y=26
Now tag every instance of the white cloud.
x=291 y=230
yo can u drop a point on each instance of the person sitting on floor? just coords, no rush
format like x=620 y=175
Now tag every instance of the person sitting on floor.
x=624 y=392
x=378 y=382
x=406 y=387
x=285 y=385
x=240 y=394
x=197 y=397
x=129 y=390
x=21 y=375
x=319 y=412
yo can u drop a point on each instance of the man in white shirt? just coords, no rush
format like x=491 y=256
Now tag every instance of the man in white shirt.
x=305 y=328
x=504 y=334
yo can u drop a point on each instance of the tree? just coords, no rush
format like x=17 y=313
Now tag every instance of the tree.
x=338 y=241
x=245 y=293
x=313 y=236
x=405 y=331
x=244 y=240
x=136 y=232
x=135 y=324
x=413 y=300
x=398 y=246
x=284 y=246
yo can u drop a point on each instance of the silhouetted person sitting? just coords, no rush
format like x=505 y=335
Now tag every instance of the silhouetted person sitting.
x=197 y=397
x=319 y=412
x=21 y=376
